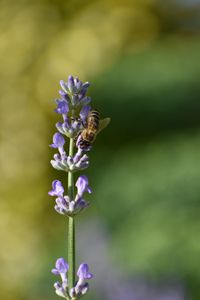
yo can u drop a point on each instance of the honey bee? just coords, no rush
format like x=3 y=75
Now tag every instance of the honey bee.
x=92 y=127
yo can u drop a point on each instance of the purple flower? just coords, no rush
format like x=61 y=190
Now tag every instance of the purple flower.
x=63 y=94
x=60 y=162
x=82 y=185
x=65 y=206
x=83 y=272
x=57 y=189
x=58 y=141
x=84 y=112
x=75 y=91
x=78 y=83
x=62 y=106
x=61 y=267
x=69 y=163
x=62 y=205
x=70 y=83
x=82 y=286
x=85 y=85
x=64 y=86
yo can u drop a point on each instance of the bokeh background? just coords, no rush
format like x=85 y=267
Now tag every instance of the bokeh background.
x=141 y=233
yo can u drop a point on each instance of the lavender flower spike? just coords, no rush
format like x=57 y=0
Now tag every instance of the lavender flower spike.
x=73 y=105
x=83 y=185
x=57 y=189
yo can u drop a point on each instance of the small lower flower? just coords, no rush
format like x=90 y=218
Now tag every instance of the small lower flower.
x=61 y=268
x=81 y=286
x=66 y=163
x=59 y=289
x=58 y=142
x=70 y=208
x=83 y=185
x=57 y=189
x=65 y=205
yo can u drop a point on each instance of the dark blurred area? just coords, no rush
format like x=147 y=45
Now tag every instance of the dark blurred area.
x=140 y=235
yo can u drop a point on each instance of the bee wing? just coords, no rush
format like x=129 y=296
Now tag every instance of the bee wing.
x=103 y=123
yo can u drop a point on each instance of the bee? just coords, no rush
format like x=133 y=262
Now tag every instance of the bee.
x=92 y=127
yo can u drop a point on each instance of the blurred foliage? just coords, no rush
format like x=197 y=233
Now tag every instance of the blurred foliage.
x=142 y=58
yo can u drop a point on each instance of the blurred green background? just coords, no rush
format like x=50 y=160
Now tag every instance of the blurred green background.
x=141 y=233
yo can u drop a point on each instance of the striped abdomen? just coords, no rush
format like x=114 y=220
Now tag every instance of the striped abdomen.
x=89 y=133
x=93 y=120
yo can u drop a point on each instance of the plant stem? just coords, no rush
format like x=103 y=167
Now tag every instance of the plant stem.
x=71 y=226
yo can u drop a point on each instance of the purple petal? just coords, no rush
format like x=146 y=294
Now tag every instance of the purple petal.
x=81 y=203
x=78 y=154
x=86 y=85
x=59 y=210
x=58 y=141
x=62 y=106
x=82 y=185
x=83 y=272
x=70 y=83
x=55 y=272
x=64 y=95
x=78 y=83
x=63 y=85
x=61 y=265
x=61 y=203
x=89 y=276
x=57 y=189
x=84 y=112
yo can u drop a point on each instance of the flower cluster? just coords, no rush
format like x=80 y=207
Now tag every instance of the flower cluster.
x=74 y=108
x=65 y=162
x=65 y=205
x=81 y=285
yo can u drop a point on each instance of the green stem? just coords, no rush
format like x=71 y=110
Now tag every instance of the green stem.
x=71 y=226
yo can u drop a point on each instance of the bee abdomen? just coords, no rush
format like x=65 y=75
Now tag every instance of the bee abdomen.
x=93 y=119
